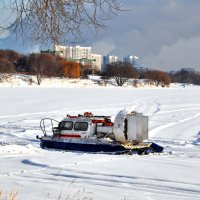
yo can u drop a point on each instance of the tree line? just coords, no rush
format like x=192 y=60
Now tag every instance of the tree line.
x=44 y=65
x=185 y=76
x=121 y=72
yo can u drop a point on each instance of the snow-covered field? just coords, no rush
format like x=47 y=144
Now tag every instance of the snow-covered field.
x=174 y=122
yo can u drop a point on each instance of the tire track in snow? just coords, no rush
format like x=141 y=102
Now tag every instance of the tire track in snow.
x=117 y=106
x=176 y=110
x=43 y=167
x=154 y=131
x=81 y=109
x=132 y=183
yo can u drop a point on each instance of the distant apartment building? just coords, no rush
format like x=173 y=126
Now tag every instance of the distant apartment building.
x=97 y=61
x=73 y=52
x=79 y=54
x=108 y=59
x=131 y=59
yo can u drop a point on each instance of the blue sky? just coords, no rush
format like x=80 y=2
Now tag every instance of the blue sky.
x=165 y=34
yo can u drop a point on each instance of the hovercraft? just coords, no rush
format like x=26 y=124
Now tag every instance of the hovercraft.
x=98 y=134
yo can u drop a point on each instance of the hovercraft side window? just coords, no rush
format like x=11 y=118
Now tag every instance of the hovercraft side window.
x=66 y=125
x=81 y=126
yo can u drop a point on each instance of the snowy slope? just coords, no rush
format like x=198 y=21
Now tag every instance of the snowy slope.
x=174 y=116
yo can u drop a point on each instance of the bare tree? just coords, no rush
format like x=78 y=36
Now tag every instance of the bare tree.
x=57 y=21
x=88 y=69
x=158 y=77
x=6 y=69
x=7 y=60
x=39 y=66
x=188 y=76
x=10 y=55
x=120 y=71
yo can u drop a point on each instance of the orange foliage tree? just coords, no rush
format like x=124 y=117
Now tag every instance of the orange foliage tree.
x=158 y=77
x=70 y=69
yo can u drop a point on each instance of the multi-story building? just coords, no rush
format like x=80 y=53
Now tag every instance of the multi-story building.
x=108 y=59
x=60 y=50
x=131 y=59
x=84 y=55
x=79 y=54
x=73 y=52
x=97 y=61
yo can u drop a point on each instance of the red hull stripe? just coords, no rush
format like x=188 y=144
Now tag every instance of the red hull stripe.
x=68 y=135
